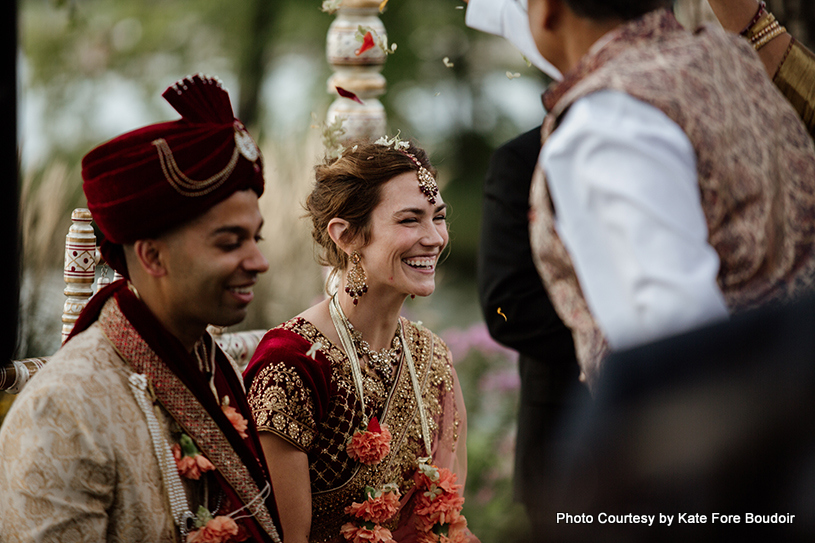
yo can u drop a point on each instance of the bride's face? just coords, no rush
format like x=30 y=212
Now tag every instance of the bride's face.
x=407 y=236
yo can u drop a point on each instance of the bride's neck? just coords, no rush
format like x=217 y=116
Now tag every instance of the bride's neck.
x=374 y=317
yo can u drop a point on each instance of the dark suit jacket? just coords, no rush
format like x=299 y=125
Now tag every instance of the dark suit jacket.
x=716 y=420
x=508 y=279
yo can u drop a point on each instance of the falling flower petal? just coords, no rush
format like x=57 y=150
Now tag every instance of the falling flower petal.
x=459 y=7
x=447 y=62
x=502 y=314
x=383 y=44
x=367 y=43
x=511 y=75
x=330 y=6
x=348 y=94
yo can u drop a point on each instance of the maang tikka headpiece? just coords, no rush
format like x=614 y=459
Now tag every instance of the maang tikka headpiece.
x=427 y=183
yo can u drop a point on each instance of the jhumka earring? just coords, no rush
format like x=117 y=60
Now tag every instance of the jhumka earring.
x=355 y=284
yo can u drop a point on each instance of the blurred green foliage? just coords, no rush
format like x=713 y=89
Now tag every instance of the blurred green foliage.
x=94 y=68
x=489 y=382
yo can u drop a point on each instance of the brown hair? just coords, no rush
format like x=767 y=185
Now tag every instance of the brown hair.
x=349 y=187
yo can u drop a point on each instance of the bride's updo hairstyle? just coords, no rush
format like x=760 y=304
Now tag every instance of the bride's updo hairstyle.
x=349 y=188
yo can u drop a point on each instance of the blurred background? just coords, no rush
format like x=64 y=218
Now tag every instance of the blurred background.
x=89 y=70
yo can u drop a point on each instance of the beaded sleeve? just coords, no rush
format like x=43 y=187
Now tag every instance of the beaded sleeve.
x=795 y=79
x=283 y=405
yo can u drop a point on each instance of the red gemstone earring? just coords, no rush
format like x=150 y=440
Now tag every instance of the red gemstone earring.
x=355 y=284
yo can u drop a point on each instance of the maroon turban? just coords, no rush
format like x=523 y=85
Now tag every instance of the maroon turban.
x=145 y=182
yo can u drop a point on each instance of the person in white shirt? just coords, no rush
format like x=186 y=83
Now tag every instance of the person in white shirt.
x=508 y=19
x=648 y=219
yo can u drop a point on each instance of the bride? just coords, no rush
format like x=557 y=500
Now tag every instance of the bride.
x=359 y=410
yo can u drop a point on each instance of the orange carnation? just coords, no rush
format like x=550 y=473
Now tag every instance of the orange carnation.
x=376 y=509
x=237 y=420
x=455 y=531
x=220 y=529
x=370 y=446
x=441 y=510
x=447 y=481
x=361 y=534
x=191 y=467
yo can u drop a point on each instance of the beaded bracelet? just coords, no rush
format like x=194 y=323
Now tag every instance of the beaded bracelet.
x=775 y=30
x=763 y=24
x=766 y=29
x=762 y=10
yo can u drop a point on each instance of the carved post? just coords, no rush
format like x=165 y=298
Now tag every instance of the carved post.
x=102 y=268
x=359 y=74
x=15 y=375
x=80 y=264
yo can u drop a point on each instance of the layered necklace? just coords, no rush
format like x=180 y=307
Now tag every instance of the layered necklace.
x=381 y=361
x=371 y=444
x=344 y=331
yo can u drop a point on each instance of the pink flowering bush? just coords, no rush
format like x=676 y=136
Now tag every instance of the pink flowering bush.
x=489 y=378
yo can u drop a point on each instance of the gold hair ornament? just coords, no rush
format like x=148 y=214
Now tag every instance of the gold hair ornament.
x=427 y=183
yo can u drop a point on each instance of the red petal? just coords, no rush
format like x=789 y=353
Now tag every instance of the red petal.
x=348 y=94
x=367 y=43
x=373 y=426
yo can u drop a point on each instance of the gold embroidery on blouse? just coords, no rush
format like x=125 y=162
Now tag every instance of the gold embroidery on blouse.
x=282 y=404
x=336 y=480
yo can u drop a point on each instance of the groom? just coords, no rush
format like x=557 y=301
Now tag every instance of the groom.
x=138 y=428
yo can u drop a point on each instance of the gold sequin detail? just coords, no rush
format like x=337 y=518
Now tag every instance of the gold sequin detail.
x=282 y=404
x=336 y=479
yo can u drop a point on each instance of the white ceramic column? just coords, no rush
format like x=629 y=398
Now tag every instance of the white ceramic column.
x=80 y=265
x=360 y=74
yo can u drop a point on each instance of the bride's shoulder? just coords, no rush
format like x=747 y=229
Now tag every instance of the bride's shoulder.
x=418 y=329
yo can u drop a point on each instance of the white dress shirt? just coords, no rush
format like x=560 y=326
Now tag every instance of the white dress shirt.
x=508 y=19
x=622 y=178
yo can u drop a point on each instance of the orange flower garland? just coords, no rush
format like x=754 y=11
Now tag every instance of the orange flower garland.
x=378 y=507
x=237 y=420
x=438 y=505
x=370 y=446
x=189 y=460
x=220 y=529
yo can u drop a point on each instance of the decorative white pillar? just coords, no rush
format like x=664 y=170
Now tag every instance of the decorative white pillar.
x=80 y=265
x=17 y=373
x=359 y=74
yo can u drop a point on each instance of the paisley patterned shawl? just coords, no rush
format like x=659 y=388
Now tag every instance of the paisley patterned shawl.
x=183 y=392
x=338 y=481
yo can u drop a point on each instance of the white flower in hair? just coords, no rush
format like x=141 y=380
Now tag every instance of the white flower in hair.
x=395 y=141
